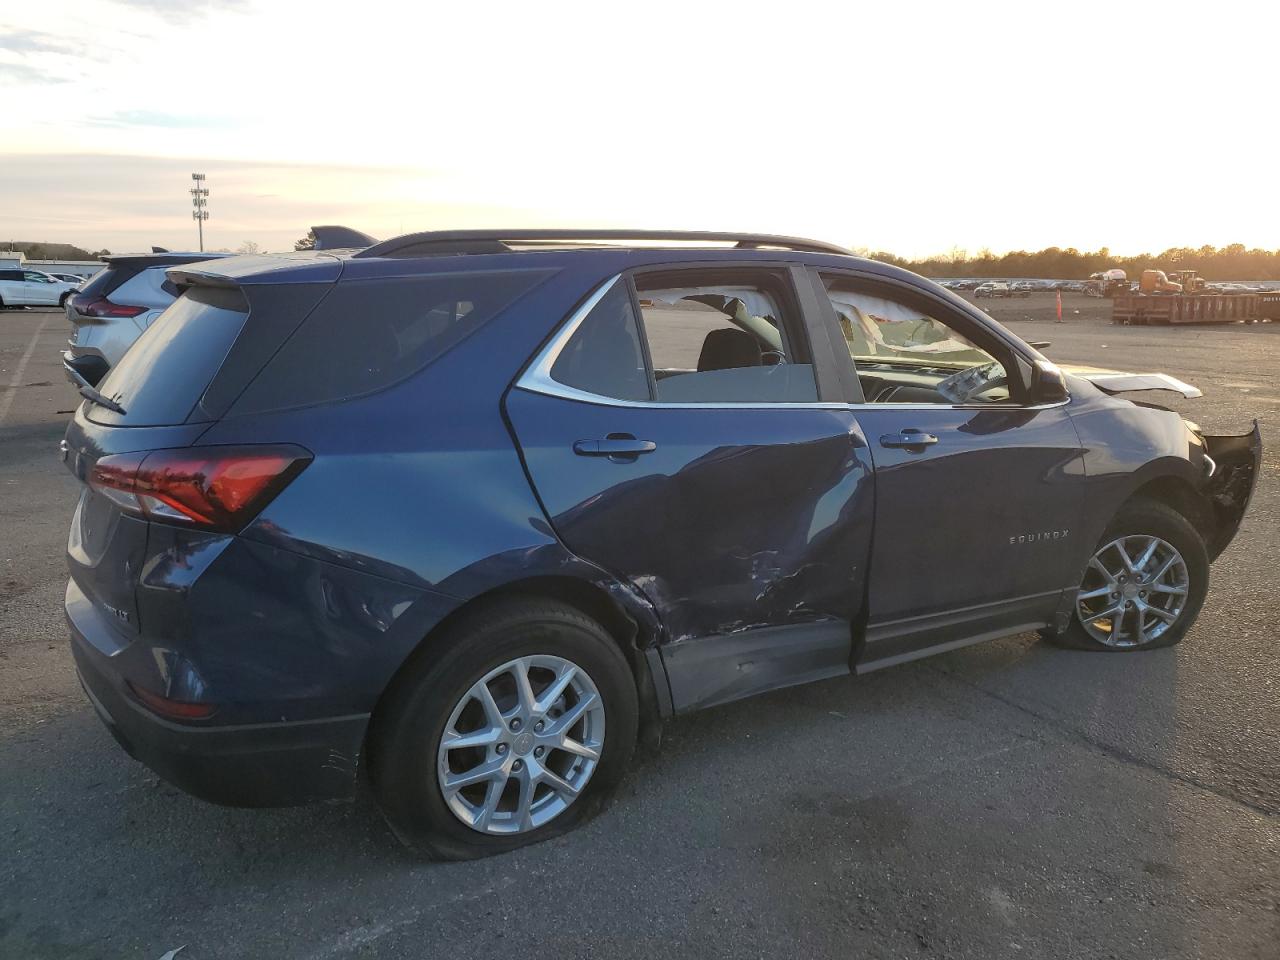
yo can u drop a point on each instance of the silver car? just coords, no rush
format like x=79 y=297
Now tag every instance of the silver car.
x=110 y=311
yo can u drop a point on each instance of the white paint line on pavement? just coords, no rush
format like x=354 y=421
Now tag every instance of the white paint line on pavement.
x=7 y=400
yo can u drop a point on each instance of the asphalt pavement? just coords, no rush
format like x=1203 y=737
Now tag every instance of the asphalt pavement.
x=1005 y=800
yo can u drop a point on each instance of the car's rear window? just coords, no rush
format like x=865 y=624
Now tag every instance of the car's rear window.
x=106 y=280
x=369 y=334
x=163 y=374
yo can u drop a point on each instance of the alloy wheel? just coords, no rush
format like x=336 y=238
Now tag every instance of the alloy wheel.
x=520 y=745
x=1134 y=590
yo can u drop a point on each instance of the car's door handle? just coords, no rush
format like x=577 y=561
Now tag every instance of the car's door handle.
x=614 y=447
x=908 y=438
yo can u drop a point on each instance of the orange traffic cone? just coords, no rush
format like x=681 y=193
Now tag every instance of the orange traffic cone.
x=1059 y=320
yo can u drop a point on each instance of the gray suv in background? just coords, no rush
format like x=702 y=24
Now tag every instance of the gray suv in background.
x=112 y=310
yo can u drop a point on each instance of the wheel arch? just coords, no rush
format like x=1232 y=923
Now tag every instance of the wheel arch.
x=1177 y=493
x=625 y=615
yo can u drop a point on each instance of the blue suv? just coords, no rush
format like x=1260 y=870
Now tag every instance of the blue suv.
x=469 y=513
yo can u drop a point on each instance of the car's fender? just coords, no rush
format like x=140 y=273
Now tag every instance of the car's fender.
x=1128 y=447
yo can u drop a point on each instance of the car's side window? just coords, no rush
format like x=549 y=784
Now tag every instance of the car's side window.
x=723 y=339
x=604 y=357
x=905 y=354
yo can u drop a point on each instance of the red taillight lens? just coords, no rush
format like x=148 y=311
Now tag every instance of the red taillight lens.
x=216 y=488
x=177 y=709
x=102 y=308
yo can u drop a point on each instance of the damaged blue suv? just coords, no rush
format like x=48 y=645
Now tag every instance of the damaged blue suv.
x=469 y=513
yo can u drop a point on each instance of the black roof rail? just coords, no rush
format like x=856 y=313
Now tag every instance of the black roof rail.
x=334 y=237
x=440 y=242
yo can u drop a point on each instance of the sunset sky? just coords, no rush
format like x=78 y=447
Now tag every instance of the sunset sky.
x=909 y=127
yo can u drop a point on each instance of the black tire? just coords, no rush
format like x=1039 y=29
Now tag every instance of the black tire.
x=1141 y=517
x=410 y=722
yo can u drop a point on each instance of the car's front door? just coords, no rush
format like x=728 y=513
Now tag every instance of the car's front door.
x=676 y=433
x=977 y=501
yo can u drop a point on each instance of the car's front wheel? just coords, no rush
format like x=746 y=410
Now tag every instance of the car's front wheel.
x=1144 y=585
x=513 y=727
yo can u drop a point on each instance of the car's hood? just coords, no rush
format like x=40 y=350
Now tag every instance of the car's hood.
x=1119 y=381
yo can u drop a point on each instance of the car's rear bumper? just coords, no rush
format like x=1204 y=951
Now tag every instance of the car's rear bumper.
x=257 y=765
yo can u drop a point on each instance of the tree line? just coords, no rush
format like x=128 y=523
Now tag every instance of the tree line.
x=1233 y=262
x=51 y=251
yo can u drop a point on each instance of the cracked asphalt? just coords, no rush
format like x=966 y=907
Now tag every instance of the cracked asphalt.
x=1005 y=800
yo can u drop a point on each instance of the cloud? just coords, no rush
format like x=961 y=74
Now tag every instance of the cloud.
x=176 y=12
x=21 y=73
x=157 y=118
x=24 y=42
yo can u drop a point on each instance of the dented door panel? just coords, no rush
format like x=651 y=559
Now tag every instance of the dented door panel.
x=737 y=519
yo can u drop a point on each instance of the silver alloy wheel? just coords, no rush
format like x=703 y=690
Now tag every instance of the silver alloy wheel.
x=521 y=745
x=1133 y=592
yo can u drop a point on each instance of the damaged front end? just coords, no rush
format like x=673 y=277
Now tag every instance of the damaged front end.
x=1234 y=463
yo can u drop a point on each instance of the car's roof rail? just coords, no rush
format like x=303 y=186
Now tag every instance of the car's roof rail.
x=335 y=237
x=442 y=242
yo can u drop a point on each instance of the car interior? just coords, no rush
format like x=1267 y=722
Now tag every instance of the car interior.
x=904 y=355
x=717 y=342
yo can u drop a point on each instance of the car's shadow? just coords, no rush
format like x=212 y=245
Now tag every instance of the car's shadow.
x=857 y=782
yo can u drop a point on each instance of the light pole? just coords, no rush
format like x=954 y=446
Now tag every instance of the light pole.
x=200 y=201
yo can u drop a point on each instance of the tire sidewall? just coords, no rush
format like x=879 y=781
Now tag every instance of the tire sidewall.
x=404 y=762
x=1147 y=518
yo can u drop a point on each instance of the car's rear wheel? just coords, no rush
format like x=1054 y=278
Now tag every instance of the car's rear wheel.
x=514 y=727
x=1144 y=585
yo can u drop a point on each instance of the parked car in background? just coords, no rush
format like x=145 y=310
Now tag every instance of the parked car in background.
x=991 y=289
x=20 y=287
x=1022 y=288
x=112 y=310
x=470 y=512
x=69 y=278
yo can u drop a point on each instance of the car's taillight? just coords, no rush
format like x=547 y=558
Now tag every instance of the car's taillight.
x=103 y=309
x=176 y=709
x=214 y=488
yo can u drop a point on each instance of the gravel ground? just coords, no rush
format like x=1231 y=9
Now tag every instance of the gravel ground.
x=1006 y=800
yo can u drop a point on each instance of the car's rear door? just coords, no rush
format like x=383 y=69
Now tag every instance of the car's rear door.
x=39 y=290
x=977 y=503
x=712 y=467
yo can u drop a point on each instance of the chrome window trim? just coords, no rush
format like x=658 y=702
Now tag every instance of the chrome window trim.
x=537 y=379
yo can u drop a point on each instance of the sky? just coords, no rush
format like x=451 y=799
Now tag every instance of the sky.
x=916 y=128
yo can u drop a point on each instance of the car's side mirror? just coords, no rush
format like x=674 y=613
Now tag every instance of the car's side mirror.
x=1048 y=385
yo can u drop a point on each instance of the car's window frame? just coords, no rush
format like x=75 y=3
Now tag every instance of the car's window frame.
x=987 y=337
x=804 y=332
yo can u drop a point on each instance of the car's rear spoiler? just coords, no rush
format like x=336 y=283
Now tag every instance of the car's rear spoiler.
x=302 y=267
x=335 y=237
